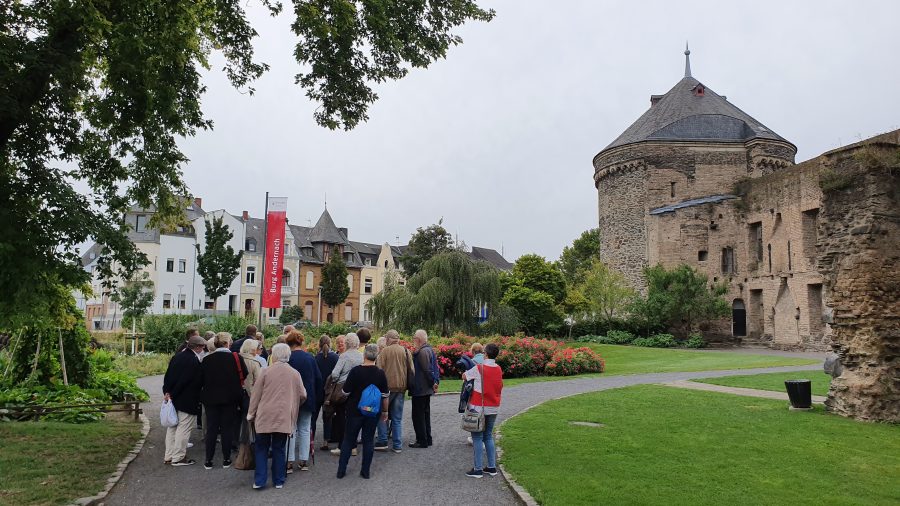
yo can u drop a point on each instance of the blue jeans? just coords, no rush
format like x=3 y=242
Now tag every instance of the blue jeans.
x=395 y=412
x=354 y=425
x=301 y=437
x=264 y=442
x=484 y=441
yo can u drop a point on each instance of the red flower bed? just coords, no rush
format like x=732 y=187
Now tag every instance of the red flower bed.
x=522 y=356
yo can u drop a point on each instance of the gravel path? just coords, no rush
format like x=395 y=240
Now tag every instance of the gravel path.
x=416 y=476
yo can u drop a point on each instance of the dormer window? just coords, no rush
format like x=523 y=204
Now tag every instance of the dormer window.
x=251 y=244
x=699 y=90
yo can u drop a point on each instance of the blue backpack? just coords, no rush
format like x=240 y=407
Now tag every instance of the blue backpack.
x=370 y=401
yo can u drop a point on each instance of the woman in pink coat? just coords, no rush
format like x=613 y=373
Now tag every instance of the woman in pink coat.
x=274 y=406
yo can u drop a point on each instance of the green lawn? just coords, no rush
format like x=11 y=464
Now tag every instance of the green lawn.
x=55 y=463
x=143 y=364
x=637 y=360
x=774 y=381
x=661 y=445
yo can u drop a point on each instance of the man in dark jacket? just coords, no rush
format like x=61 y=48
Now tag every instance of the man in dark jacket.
x=181 y=387
x=249 y=333
x=424 y=386
x=223 y=373
x=305 y=364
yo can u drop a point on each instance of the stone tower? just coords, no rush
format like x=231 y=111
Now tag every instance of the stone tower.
x=692 y=146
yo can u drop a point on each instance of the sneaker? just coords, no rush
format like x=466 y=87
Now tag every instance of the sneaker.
x=381 y=447
x=279 y=487
x=417 y=445
x=341 y=474
x=257 y=487
x=167 y=462
x=184 y=462
x=364 y=475
x=491 y=471
x=469 y=440
x=336 y=451
x=190 y=445
x=475 y=473
x=304 y=465
x=226 y=463
x=290 y=468
x=397 y=450
x=207 y=464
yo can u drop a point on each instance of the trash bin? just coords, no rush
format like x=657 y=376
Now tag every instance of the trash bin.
x=800 y=393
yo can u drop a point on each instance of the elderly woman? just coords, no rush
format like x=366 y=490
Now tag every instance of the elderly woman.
x=261 y=350
x=340 y=345
x=346 y=361
x=274 y=407
x=326 y=360
x=248 y=355
x=221 y=395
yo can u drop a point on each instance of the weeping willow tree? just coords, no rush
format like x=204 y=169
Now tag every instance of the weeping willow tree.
x=447 y=292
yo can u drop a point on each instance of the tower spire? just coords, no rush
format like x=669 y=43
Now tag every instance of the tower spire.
x=687 y=60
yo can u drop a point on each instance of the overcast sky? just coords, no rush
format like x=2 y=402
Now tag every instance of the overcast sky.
x=498 y=138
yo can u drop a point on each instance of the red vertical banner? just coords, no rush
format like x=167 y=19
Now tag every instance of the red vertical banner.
x=276 y=218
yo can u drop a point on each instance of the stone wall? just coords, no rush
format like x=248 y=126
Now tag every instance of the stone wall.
x=859 y=258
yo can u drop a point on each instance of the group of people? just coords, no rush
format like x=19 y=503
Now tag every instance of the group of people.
x=242 y=393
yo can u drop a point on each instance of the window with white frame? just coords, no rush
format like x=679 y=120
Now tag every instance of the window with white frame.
x=309 y=280
x=140 y=223
x=368 y=286
x=285 y=278
x=182 y=265
x=250 y=278
x=348 y=312
x=273 y=312
x=285 y=303
x=167 y=301
x=182 y=301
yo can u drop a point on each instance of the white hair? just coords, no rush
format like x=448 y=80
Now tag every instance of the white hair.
x=249 y=346
x=421 y=334
x=352 y=341
x=371 y=352
x=281 y=352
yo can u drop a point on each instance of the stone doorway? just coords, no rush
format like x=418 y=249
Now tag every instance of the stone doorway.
x=738 y=318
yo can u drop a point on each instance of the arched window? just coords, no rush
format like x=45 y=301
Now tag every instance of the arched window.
x=385 y=264
x=350 y=281
x=250 y=244
x=309 y=280
x=285 y=277
x=348 y=312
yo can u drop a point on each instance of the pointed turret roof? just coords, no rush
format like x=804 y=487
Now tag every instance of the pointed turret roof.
x=690 y=111
x=326 y=231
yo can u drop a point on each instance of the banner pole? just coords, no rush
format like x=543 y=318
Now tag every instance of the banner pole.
x=262 y=264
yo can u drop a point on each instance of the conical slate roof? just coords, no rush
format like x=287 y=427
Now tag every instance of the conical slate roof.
x=326 y=231
x=692 y=112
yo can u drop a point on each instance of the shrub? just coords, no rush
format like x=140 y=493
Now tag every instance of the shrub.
x=50 y=395
x=600 y=326
x=619 y=337
x=571 y=361
x=519 y=356
x=165 y=333
x=118 y=386
x=291 y=314
x=695 y=341
x=656 y=341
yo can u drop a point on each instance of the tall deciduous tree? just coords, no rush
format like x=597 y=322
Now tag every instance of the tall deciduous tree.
x=334 y=280
x=98 y=93
x=135 y=295
x=425 y=244
x=578 y=258
x=606 y=292
x=219 y=264
x=535 y=272
x=446 y=292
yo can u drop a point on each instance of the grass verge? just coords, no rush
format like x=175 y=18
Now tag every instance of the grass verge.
x=774 y=381
x=666 y=446
x=636 y=360
x=47 y=463
x=143 y=364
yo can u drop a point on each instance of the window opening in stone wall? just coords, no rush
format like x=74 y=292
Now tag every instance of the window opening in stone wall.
x=757 y=314
x=770 y=258
x=728 y=260
x=808 y=224
x=738 y=318
x=702 y=255
x=790 y=263
x=756 y=243
x=672 y=189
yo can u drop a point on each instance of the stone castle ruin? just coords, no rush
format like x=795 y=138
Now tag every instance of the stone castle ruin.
x=810 y=253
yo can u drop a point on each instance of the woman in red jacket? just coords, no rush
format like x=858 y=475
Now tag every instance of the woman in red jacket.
x=488 y=379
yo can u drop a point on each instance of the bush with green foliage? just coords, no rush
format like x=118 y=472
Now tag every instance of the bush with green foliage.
x=165 y=333
x=290 y=315
x=695 y=341
x=502 y=321
x=656 y=341
x=602 y=327
x=679 y=299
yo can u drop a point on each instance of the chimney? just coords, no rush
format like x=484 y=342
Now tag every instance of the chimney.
x=246 y=216
x=198 y=202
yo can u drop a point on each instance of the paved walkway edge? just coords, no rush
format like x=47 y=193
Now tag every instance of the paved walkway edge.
x=120 y=468
x=747 y=392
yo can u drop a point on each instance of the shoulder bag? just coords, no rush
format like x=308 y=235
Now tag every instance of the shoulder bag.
x=473 y=421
